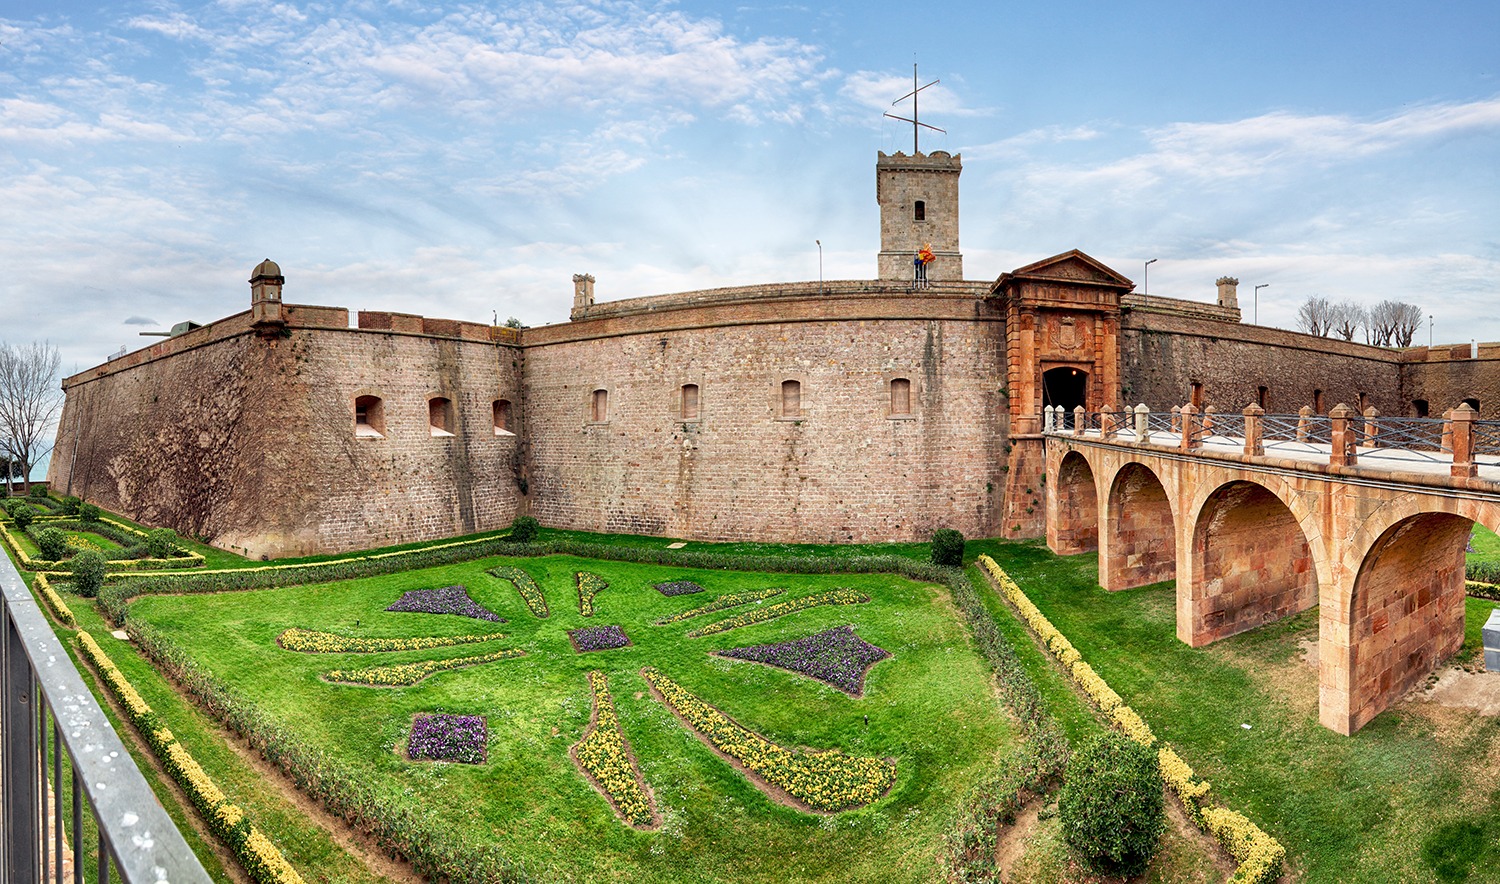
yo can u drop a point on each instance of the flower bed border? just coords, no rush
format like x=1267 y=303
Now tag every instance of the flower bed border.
x=362 y=645
x=722 y=603
x=396 y=675
x=577 y=650
x=604 y=723
x=1260 y=857
x=839 y=596
x=728 y=654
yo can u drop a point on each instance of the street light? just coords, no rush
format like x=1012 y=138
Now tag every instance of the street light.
x=1429 y=331
x=820 y=265
x=1265 y=285
x=1146 y=282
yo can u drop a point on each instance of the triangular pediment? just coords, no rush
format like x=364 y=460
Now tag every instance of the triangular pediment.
x=1071 y=266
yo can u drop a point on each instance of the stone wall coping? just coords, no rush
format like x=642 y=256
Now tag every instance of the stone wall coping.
x=778 y=290
x=1182 y=325
x=1438 y=353
x=1178 y=307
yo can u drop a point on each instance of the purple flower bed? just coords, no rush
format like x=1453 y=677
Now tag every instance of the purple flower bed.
x=447 y=600
x=678 y=587
x=597 y=638
x=448 y=738
x=837 y=657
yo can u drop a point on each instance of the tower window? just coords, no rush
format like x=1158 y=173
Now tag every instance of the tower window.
x=502 y=417
x=440 y=416
x=900 y=397
x=369 y=417
x=689 y=402
x=791 y=398
x=921 y=211
x=599 y=407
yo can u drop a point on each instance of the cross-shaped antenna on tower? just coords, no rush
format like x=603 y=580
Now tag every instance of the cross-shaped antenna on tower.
x=916 y=122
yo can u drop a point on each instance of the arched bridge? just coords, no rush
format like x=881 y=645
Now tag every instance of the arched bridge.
x=1260 y=516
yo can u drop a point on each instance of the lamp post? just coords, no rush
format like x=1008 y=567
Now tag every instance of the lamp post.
x=1265 y=285
x=820 y=265
x=1146 y=281
x=1429 y=331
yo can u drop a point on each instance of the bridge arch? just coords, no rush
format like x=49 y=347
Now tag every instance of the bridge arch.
x=1138 y=534
x=1249 y=563
x=1074 y=526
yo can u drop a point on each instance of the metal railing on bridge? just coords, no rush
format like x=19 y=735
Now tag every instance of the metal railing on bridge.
x=68 y=788
x=1458 y=440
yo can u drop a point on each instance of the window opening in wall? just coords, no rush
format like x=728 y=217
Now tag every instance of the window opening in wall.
x=1262 y=396
x=1197 y=395
x=502 y=418
x=900 y=396
x=1317 y=402
x=689 y=402
x=599 y=407
x=369 y=417
x=1472 y=402
x=1362 y=403
x=440 y=416
x=921 y=210
x=1420 y=407
x=791 y=398
x=1066 y=388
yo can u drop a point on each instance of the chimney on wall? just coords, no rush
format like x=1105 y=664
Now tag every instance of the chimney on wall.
x=583 y=294
x=1228 y=292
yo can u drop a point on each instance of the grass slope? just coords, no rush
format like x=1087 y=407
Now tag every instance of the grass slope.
x=931 y=707
x=1360 y=808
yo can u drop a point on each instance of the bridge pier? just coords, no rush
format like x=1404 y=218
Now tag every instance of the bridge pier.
x=1137 y=539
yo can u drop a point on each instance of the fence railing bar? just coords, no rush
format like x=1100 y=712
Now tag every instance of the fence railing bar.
x=77 y=827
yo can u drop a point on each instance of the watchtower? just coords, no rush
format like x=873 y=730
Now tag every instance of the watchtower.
x=265 y=298
x=918 y=197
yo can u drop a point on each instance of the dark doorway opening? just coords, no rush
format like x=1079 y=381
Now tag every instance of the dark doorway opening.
x=1065 y=387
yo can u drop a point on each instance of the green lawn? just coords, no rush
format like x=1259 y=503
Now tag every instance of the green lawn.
x=931 y=707
x=1396 y=801
x=1486 y=545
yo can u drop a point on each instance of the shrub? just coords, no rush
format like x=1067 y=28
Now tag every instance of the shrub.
x=52 y=543
x=70 y=505
x=161 y=543
x=37 y=492
x=88 y=512
x=947 y=548
x=523 y=529
x=20 y=512
x=88 y=572
x=1111 y=804
x=1484 y=572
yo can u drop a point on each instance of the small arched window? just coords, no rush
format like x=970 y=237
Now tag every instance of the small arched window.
x=440 y=416
x=502 y=417
x=1421 y=407
x=791 y=398
x=369 y=417
x=900 y=397
x=1472 y=402
x=1262 y=397
x=689 y=402
x=920 y=211
x=1317 y=402
x=599 y=407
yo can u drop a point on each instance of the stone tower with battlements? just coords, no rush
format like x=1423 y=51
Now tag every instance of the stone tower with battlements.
x=918 y=197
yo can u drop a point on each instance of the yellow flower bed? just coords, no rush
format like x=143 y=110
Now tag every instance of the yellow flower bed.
x=1260 y=856
x=403 y=674
x=313 y=642
x=59 y=608
x=589 y=585
x=531 y=594
x=828 y=781
x=256 y=853
x=733 y=600
x=605 y=754
x=781 y=609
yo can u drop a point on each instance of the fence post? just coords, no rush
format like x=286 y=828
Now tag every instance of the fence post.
x=1344 y=438
x=1372 y=430
x=1177 y=419
x=1142 y=423
x=1254 y=446
x=1448 y=430
x=1208 y=419
x=18 y=757
x=1080 y=420
x=1189 y=416
x=1463 y=441
x=1304 y=417
x=1047 y=419
x=1107 y=422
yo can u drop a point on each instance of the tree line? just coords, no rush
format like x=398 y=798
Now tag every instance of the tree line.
x=1387 y=324
x=30 y=398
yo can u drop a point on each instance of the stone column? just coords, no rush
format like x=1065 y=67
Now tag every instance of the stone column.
x=1254 y=446
x=1047 y=419
x=1189 y=415
x=1448 y=430
x=1463 y=441
x=1371 y=429
x=1304 y=417
x=1142 y=423
x=1080 y=420
x=1345 y=440
x=1107 y=424
x=1208 y=418
x=1177 y=418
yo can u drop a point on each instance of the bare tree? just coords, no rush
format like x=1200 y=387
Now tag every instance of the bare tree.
x=1348 y=317
x=29 y=401
x=1394 y=323
x=1315 y=316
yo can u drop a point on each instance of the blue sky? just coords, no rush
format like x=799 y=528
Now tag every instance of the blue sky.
x=463 y=160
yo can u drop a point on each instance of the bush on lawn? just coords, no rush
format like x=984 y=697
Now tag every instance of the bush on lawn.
x=21 y=512
x=947 y=548
x=70 y=505
x=37 y=492
x=161 y=543
x=1111 y=805
x=523 y=529
x=88 y=572
x=88 y=512
x=52 y=543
